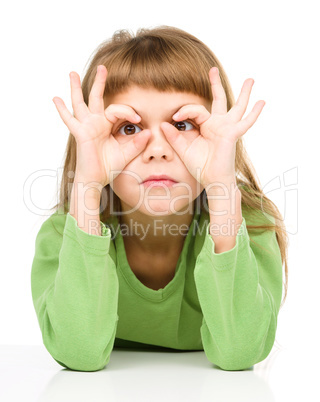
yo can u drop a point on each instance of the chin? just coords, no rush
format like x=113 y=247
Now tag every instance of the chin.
x=156 y=208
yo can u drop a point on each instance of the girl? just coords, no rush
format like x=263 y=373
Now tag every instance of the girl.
x=166 y=239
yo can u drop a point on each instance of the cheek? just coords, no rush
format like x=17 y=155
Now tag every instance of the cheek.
x=126 y=183
x=192 y=188
x=194 y=183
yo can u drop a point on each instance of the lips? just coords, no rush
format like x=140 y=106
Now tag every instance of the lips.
x=161 y=177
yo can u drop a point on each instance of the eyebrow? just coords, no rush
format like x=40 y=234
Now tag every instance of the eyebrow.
x=170 y=113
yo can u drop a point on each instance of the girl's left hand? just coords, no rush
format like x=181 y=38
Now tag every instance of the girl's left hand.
x=214 y=150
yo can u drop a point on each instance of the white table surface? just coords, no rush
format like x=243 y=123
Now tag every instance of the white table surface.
x=28 y=373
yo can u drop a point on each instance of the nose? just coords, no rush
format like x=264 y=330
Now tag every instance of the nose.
x=158 y=146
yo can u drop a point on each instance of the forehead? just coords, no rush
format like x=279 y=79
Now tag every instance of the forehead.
x=145 y=99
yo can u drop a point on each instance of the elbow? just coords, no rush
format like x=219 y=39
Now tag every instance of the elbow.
x=238 y=355
x=81 y=356
x=81 y=361
x=243 y=349
x=235 y=359
x=84 y=352
x=81 y=364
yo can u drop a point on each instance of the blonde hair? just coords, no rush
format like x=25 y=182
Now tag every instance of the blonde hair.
x=169 y=59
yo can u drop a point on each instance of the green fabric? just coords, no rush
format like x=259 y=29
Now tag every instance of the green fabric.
x=88 y=300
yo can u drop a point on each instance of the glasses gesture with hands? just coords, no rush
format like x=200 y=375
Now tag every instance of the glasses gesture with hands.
x=98 y=152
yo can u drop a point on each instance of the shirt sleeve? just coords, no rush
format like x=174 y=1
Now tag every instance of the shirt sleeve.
x=240 y=293
x=75 y=293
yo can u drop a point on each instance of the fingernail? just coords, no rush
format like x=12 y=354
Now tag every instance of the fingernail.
x=176 y=116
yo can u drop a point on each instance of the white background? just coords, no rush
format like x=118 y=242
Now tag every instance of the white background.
x=273 y=42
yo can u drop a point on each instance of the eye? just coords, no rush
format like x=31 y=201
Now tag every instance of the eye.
x=129 y=129
x=181 y=125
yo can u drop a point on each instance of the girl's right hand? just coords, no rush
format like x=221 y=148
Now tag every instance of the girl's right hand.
x=98 y=152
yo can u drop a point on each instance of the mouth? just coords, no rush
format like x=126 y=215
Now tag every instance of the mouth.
x=159 y=178
x=159 y=183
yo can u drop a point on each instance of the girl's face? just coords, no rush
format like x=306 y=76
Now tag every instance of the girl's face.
x=158 y=157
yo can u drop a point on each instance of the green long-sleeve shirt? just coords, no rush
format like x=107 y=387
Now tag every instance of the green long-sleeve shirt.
x=88 y=300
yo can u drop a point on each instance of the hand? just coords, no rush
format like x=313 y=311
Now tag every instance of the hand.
x=214 y=150
x=98 y=152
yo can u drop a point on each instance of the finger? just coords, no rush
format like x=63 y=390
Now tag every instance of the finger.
x=133 y=148
x=116 y=112
x=79 y=107
x=219 y=103
x=96 y=103
x=238 y=110
x=196 y=112
x=69 y=120
x=176 y=139
x=244 y=125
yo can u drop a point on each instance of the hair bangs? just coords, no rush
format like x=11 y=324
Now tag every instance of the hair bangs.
x=150 y=62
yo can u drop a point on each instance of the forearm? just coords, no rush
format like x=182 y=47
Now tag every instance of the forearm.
x=224 y=201
x=84 y=207
x=75 y=294
x=240 y=294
